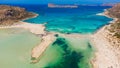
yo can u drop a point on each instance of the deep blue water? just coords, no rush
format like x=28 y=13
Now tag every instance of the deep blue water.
x=69 y=20
x=76 y=20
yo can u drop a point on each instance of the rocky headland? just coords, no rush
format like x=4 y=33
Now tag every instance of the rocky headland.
x=10 y=15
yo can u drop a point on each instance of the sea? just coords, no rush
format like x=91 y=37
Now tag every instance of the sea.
x=64 y=52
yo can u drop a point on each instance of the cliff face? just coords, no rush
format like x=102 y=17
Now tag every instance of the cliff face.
x=9 y=14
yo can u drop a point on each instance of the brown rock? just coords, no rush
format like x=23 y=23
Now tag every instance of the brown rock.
x=9 y=14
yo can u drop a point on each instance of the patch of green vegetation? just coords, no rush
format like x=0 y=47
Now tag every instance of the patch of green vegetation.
x=115 y=28
x=117 y=35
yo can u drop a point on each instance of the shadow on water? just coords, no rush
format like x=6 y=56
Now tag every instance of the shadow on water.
x=70 y=58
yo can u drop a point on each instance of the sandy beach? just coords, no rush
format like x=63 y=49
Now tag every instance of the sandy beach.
x=105 y=56
x=106 y=44
x=34 y=28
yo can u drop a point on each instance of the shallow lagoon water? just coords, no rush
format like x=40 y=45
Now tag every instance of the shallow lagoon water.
x=66 y=54
x=16 y=46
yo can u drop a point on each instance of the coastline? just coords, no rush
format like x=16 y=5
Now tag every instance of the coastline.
x=47 y=38
x=106 y=56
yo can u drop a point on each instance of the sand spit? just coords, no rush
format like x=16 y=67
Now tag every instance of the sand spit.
x=39 y=50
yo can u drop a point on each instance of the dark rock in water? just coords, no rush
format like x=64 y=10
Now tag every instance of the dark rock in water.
x=56 y=35
x=68 y=33
x=62 y=43
x=89 y=45
x=70 y=58
x=59 y=41
x=10 y=15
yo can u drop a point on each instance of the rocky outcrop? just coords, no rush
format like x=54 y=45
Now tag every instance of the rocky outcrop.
x=114 y=12
x=10 y=15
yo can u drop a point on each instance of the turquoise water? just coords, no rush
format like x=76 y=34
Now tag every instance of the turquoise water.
x=65 y=20
x=65 y=52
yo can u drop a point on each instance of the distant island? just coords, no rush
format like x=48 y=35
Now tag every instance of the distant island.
x=51 y=5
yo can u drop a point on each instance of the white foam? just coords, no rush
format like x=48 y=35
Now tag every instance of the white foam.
x=100 y=14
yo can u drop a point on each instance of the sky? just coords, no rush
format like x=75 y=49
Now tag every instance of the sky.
x=58 y=1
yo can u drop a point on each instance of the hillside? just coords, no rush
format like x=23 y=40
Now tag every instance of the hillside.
x=9 y=14
x=114 y=28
